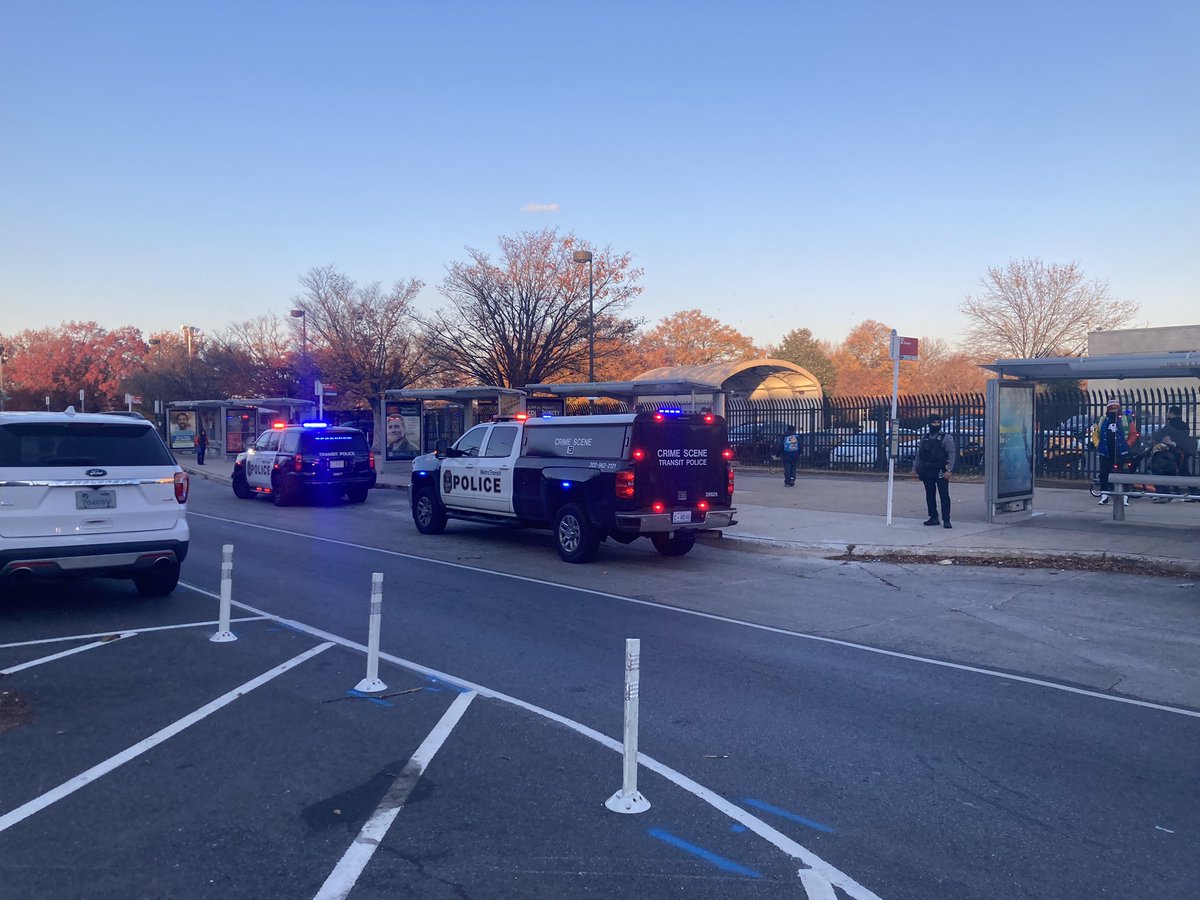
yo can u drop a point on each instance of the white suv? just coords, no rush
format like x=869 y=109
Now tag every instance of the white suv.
x=90 y=494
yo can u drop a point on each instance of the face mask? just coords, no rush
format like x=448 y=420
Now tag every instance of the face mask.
x=934 y=429
x=1112 y=416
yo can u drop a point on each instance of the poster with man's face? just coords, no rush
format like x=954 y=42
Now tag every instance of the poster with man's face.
x=183 y=429
x=402 y=428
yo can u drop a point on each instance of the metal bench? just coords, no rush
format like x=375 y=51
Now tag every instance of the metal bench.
x=1120 y=479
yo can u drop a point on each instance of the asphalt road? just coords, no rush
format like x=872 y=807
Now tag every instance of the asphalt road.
x=779 y=739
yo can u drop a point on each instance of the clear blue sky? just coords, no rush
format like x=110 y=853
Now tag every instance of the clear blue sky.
x=778 y=165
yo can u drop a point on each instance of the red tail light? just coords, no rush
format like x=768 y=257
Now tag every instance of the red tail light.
x=371 y=460
x=638 y=454
x=729 y=484
x=625 y=485
x=658 y=417
x=727 y=453
x=702 y=505
x=298 y=462
x=658 y=507
x=709 y=418
x=181 y=487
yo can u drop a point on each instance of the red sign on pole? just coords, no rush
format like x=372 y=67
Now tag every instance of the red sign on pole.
x=908 y=348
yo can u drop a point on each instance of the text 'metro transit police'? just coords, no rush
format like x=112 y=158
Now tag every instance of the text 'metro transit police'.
x=664 y=475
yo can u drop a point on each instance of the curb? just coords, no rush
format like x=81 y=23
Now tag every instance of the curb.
x=845 y=551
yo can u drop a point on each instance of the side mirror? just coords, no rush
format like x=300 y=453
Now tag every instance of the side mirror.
x=440 y=448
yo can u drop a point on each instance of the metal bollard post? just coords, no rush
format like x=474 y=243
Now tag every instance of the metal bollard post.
x=223 y=634
x=628 y=800
x=371 y=684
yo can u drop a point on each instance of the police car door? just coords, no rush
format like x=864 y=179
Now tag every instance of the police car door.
x=495 y=483
x=460 y=473
x=260 y=459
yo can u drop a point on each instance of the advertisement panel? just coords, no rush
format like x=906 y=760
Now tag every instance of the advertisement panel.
x=183 y=429
x=1009 y=446
x=402 y=423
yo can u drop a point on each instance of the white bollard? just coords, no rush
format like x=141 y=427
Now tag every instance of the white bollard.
x=371 y=684
x=223 y=634
x=628 y=800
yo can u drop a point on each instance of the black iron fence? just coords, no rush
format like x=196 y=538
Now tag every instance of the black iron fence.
x=850 y=433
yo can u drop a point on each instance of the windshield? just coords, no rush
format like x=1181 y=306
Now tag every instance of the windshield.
x=81 y=444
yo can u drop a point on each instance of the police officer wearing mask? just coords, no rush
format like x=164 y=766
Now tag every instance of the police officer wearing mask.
x=933 y=464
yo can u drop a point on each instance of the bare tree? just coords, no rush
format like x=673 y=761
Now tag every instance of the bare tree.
x=365 y=339
x=1031 y=309
x=264 y=354
x=524 y=319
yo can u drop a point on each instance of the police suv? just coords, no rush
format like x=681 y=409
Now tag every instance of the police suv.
x=307 y=460
x=664 y=475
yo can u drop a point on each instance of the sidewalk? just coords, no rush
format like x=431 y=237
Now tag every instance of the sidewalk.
x=828 y=513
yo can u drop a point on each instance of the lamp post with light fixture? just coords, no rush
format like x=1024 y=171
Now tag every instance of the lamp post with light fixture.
x=585 y=256
x=300 y=314
x=3 y=358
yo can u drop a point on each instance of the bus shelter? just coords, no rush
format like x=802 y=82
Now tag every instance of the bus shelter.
x=1010 y=426
x=415 y=419
x=232 y=424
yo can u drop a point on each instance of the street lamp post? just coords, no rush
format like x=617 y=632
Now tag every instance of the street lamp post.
x=2 y=358
x=585 y=256
x=299 y=314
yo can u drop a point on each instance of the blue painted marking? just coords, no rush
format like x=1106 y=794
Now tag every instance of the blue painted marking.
x=439 y=685
x=790 y=816
x=361 y=696
x=738 y=828
x=727 y=865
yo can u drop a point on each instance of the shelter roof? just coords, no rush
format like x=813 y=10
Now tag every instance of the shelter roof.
x=455 y=394
x=1177 y=364
x=622 y=390
x=754 y=378
x=242 y=401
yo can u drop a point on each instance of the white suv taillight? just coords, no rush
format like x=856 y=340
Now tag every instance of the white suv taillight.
x=181 y=487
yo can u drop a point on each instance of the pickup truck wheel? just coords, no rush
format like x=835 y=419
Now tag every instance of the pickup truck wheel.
x=241 y=489
x=357 y=495
x=675 y=545
x=428 y=513
x=159 y=581
x=575 y=538
x=280 y=492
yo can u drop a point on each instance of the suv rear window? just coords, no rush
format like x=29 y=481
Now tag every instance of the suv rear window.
x=333 y=442
x=81 y=444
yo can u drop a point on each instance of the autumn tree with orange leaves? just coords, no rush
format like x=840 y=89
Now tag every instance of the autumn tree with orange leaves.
x=59 y=362
x=690 y=338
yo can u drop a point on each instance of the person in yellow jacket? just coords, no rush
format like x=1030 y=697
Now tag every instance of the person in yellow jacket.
x=1113 y=435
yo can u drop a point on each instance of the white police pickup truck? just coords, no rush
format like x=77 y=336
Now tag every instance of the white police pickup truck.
x=663 y=475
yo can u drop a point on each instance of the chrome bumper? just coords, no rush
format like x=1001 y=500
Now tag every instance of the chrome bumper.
x=660 y=523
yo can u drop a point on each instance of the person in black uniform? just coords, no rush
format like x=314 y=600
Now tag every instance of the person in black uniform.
x=933 y=464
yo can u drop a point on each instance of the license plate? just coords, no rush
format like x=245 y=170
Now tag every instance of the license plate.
x=337 y=464
x=95 y=499
x=682 y=517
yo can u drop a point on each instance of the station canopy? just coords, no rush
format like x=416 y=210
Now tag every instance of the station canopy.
x=455 y=394
x=1177 y=364
x=756 y=379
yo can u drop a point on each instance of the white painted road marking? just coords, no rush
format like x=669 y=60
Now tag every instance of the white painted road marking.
x=344 y=876
x=110 y=639
x=108 y=634
x=37 y=804
x=776 y=838
x=713 y=617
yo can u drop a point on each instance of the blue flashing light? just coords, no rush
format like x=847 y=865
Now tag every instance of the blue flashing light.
x=670 y=410
x=422 y=473
x=566 y=484
x=547 y=415
x=315 y=424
